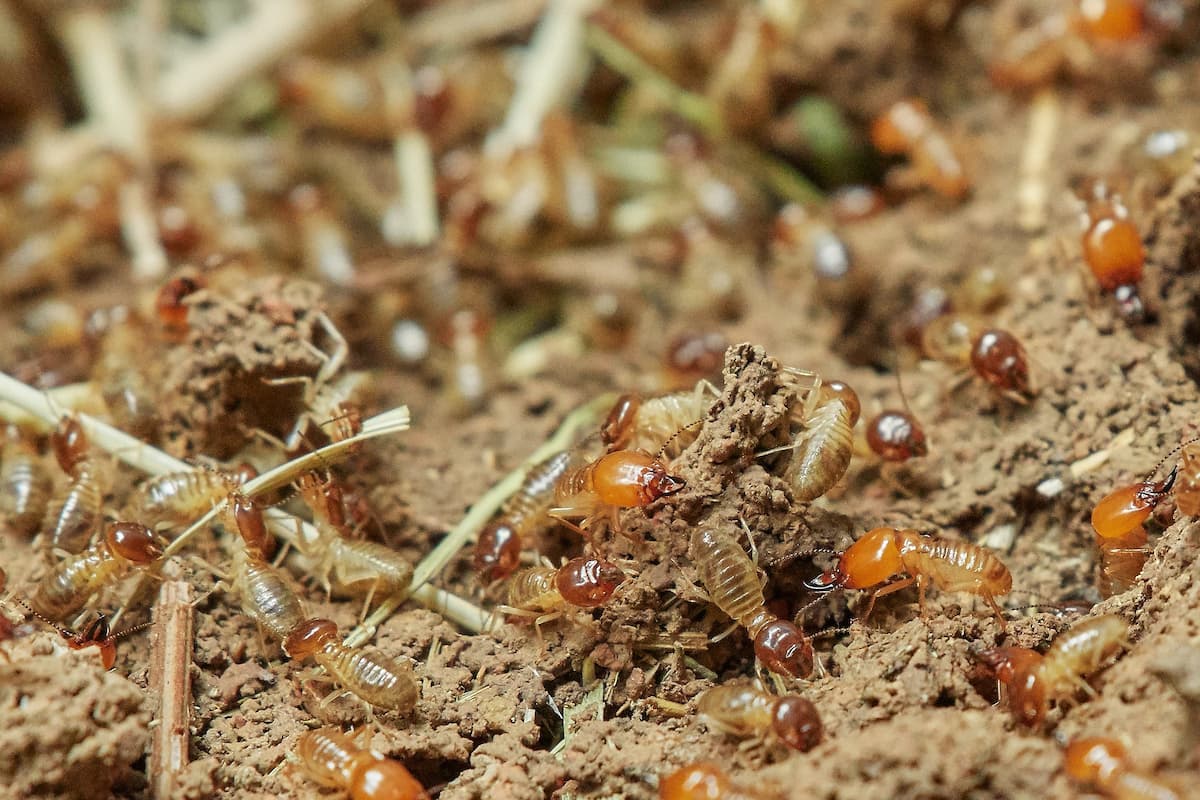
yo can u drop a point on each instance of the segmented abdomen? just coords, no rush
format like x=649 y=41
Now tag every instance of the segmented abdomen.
x=823 y=451
x=72 y=520
x=1121 y=560
x=959 y=565
x=179 y=496
x=371 y=676
x=24 y=490
x=528 y=507
x=533 y=589
x=728 y=576
x=362 y=562
x=268 y=598
x=1082 y=650
x=68 y=586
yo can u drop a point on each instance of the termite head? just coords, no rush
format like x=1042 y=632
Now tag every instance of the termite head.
x=618 y=425
x=797 y=723
x=631 y=479
x=132 y=541
x=96 y=634
x=840 y=390
x=247 y=517
x=244 y=472
x=309 y=637
x=69 y=442
x=868 y=562
x=1123 y=510
x=1017 y=669
x=695 y=781
x=1094 y=760
x=172 y=311
x=896 y=436
x=588 y=582
x=498 y=551
x=784 y=649
x=998 y=357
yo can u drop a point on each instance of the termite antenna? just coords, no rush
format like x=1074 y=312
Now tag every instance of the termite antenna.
x=662 y=450
x=130 y=630
x=66 y=633
x=800 y=614
x=827 y=632
x=1170 y=478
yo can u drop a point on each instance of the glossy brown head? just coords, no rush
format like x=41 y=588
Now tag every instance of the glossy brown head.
x=1094 y=760
x=797 y=723
x=95 y=634
x=784 y=649
x=696 y=354
x=70 y=443
x=498 y=551
x=998 y=357
x=247 y=517
x=618 y=425
x=132 y=541
x=309 y=637
x=896 y=436
x=842 y=391
x=169 y=304
x=1018 y=669
x=588 y=582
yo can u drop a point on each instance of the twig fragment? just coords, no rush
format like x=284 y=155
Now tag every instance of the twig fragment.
x=170 y=679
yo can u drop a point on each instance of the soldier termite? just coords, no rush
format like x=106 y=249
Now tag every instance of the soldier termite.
x=599 y=489
x=703 y=781
x=884 y=553
x=372 y=677
x=734 y=586
x=1034 y=681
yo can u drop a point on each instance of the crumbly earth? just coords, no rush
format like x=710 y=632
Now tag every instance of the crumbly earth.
x=907 y=710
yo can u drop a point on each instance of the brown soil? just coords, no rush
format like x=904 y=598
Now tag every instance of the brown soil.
x=907 y=710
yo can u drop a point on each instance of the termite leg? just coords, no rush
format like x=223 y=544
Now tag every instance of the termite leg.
x=997 y=610
x=882 y=591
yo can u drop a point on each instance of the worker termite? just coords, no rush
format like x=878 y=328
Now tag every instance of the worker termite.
x=734 y=586
x=883 y=553
x=71 y=582
x=372 y=677
x=665 y=422
x=74 y=515
x=468 y=376
x=544 y=593
x=123 y=373
x=703 y=781
x=177 y=497
x=749 y=711
x=332 y=759
x=1103 y=763
x=896 y=436
x=822 y=448
x=266 y=595
x=993 y=354
x=170 y=307
x=599 y=489
x=907 y=128
x=804 y=245
x=24 y=485
x=353 y=564
x=498 y=550
x=1034 y=681
x=335 y=406
x=1113 y=250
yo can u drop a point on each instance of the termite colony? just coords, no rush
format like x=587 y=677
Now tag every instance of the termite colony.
x=491 y=234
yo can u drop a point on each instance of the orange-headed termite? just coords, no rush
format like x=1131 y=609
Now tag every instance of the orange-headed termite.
x=884 y=553
x=1034 y=681
x=1113 y=250
x=745 y=710
x=599 y=489
x=907 y=128
x=498 y=550
x=372 y=677
x=734 y=586
x=703 y=781
x=332 y=759
x=71 y=582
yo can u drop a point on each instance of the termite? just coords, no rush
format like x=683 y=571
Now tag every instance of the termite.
x=332 y=759
x=907 y=128
x=822 y=448
x=468 y=378
x=1103 y=763
x=71 y=582
x=734 y=586
x=123 y=373
x=1034 y=681
x=1124 y=510
x=323 y=241
x=665 y=423
x=803 y=244
x=1113 y=250
x=599 y=489
x=702 y=781
x=372 y=677
x=24 y=485
x=544 y=593
x=352 y=563
x=177 y=497
x=266 y=595
x=498 y=550
x=896 y=436
x=993 y=354
x=335 y=406
x=74 y=515
x=884 y=553
x=170 y=307
x=694 y=356
x=749 y=711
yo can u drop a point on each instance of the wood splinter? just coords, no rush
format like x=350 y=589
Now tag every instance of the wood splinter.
x=170 y=678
